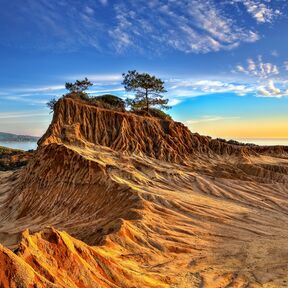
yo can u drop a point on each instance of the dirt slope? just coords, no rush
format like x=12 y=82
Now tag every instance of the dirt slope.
x=151 y=204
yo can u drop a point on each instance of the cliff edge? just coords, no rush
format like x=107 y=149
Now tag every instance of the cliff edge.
x=142 y=202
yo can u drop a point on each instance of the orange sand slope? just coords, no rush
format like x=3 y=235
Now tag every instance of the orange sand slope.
x=151 y=204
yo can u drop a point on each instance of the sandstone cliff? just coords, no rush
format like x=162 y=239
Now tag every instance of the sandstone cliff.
x=150 y=203
x=76 y=122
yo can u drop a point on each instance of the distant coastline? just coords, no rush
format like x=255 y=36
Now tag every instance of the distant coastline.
x=265 y=141
x=10 y=137
x=21 y=142
x=25 y=146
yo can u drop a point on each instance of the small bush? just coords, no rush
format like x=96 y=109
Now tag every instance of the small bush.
x=9 y=151
x=153 y=112
x=51 y=104
x=109 y=101
x=78 y=95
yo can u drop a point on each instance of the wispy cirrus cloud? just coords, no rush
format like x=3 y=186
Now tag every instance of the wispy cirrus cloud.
x=194 y=88
x=209 y=118
x=261 y=11
x=31 y=96
x=44 y=89
x=103 y=2
x=22 y=114
x=269 y=79
x=105 y=91
x=285 y=65
x=98 y=78
x=179 y=89
x=56 y=25
x=271 y=90
x=258 y=68
x=189 y=26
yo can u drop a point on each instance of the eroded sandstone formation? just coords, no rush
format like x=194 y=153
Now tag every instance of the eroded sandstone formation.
x=143 y=203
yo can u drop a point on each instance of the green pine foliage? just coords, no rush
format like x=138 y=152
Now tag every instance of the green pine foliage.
x=148 y=91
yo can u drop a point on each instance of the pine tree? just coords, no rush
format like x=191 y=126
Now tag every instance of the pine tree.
x=148 y=88
x=79 y=86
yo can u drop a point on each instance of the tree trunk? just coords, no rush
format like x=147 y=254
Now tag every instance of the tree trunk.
x=147 y=102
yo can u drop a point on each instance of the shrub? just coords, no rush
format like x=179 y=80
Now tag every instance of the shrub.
x=109 y=101
x=78 y=95
x=153 y=112
x=51 y=104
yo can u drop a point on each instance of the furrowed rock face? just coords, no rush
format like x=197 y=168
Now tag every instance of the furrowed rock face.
x=52 y=258
x=77 y=123
x=143 y=203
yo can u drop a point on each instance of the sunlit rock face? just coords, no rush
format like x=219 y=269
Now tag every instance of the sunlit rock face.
x=113 y=199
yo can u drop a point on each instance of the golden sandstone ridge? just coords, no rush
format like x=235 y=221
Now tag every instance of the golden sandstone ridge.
x=113 y=199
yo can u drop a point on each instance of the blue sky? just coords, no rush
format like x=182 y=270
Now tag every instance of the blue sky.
x=224 y=63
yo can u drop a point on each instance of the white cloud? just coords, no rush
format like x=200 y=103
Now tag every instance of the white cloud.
x=208 y=119
x=174 y=102
x=192 y=88
x=258 y=68
x=268 y=79
x=260 y=10
x=57 y=25
x=32 y=96
x=188 y=26
x=108 y=90
x=22 y=114
x=270 y=90
x=89 y=10
x=103 y=2
x=43 y=89
x=30 y=101
x=97 y=77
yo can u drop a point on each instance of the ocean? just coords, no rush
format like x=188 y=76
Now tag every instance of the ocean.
x=259 y=141
x=264 y=141
x=20 y=145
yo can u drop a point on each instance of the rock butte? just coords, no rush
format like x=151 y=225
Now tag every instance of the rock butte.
x=143 y=203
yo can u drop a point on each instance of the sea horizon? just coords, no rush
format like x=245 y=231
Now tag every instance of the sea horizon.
x=32 y=145
x=19 y=145
x=263 y=141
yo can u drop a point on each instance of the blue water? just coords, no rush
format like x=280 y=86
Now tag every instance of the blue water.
x=20 y=145
x=270 y=142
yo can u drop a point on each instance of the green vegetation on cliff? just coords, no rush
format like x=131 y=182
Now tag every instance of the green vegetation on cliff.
x=148 y=100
